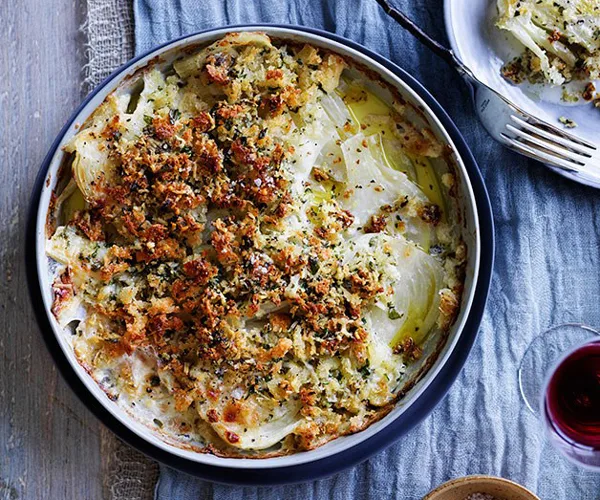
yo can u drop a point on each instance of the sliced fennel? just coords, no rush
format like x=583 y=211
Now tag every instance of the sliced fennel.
x=263 y=425
x=562 y=34
x=72 y=203
x=414 y=279
x=373 y=116
x=375 y=185
x=68 y=247
x=428 y=182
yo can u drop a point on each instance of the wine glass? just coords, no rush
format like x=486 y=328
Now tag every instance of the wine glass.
x=559 y=380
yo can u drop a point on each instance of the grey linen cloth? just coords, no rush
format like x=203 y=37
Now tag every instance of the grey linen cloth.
x=546 y=273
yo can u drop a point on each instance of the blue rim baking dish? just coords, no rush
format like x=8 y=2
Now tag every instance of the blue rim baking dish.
x=306 y=469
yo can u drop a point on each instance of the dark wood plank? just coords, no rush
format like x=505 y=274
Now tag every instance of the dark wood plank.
x=49 y=443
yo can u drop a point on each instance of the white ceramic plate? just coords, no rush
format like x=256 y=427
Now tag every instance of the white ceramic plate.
x=484 y=48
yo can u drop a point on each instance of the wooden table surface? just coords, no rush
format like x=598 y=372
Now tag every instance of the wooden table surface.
x=51 y=446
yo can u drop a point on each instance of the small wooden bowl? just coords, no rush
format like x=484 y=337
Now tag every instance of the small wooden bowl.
x=461 y=488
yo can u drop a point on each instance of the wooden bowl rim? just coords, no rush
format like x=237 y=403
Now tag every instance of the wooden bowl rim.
x=482 y=479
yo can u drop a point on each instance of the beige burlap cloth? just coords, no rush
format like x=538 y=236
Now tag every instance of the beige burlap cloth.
x=110 y=43
x=128 y=474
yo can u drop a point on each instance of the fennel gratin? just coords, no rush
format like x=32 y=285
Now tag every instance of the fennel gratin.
x=252 y=247
x=561 y=39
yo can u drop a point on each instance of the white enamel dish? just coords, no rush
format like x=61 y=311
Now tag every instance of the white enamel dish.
x=342 y=452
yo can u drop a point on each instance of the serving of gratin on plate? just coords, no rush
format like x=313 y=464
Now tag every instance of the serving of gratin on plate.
x=541 y=55
x=250 y=249
x=561 y=41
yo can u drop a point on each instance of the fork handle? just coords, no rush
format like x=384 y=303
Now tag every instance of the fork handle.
x=436 y=47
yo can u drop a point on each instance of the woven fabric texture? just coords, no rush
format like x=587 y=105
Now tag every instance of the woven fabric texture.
x=130 y=475
x=110 y=42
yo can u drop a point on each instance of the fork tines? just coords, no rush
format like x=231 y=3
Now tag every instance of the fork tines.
x=549 y=144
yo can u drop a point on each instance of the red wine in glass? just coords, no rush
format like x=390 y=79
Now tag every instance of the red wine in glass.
x=572 y=405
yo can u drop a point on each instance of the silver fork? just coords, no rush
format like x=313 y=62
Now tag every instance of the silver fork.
x=509 y=124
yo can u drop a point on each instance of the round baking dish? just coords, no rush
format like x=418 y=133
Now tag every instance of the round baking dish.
x=344 y=451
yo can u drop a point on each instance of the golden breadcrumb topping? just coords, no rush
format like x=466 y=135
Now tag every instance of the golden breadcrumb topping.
x=246 y=259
